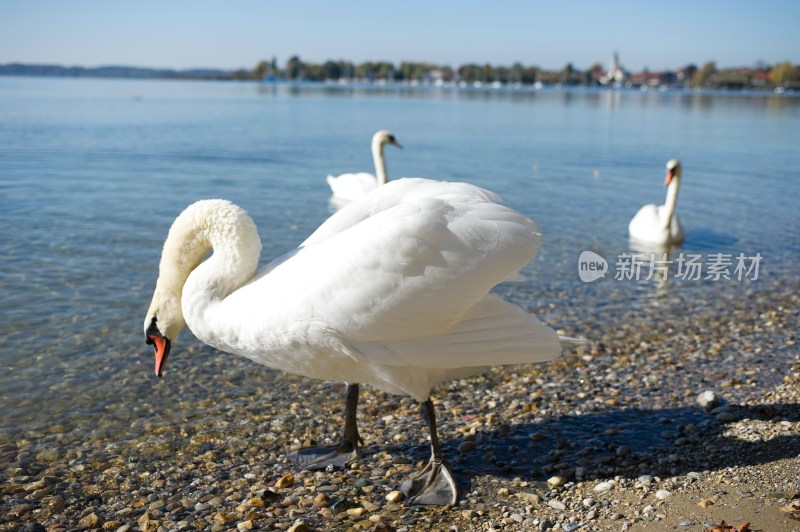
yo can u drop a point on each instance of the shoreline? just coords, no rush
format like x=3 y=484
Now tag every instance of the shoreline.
x=621 y=413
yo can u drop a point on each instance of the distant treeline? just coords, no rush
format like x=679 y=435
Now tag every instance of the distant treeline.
x=708 y=76
x=785 y=75
x=17 y=69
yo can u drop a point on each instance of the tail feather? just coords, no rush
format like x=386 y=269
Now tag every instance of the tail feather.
x=494 y=332
x=568 y=341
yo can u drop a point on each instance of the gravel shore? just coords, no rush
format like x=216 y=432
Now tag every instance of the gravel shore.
x=617 y=435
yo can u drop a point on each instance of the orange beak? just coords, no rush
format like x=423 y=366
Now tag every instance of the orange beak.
x=161 y=347
x=668 y=178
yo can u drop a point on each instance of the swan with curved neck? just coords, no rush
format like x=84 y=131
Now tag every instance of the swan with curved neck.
x=391 y=291
x=349 y=187
x=660 y=225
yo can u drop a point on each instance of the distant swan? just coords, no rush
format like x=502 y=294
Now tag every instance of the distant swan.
x=391 y=291
x=349 y=187
x=660 y=225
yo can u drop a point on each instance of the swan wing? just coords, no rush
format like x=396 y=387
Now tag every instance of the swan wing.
x=352 y=186
x=390 y=195
x=408 y=271
x=648 y=226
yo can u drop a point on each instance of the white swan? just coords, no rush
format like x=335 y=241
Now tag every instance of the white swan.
x=660 y=225
x=349 y=187
x=391 y=291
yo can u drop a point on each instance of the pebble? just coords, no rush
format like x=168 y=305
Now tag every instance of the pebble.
x=48 y=455
x=299 y=526
x=604 y=486
x=556 y=504
x=705 y=503
x=663 y=494
x=466 y=447
x=89 y=521
x=370 y=507
x=538 y=437
x=556 y=481
x=394 y=496
x=285 y=481
x=322 y=500
x=708 y=400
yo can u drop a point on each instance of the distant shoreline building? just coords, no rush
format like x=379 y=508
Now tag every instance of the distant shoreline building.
x=615 y=76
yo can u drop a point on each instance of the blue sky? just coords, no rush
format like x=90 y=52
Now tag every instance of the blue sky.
x=239 y=33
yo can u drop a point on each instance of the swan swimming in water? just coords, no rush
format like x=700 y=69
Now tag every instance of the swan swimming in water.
x=349 y=187
x=660 y=225
x=391 y=291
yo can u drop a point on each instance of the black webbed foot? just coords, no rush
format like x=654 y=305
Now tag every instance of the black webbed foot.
x=337 y=456
x=315 y=458
x=433 y=485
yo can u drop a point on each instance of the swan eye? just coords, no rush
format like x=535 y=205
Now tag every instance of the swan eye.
x=152 y=332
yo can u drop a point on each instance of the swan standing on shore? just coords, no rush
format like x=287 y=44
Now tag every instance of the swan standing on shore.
x=391 y=291
x=349 y=187
x=660 y=224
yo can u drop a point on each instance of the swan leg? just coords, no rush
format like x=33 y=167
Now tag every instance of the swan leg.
x=337 y=456
x=435 y=483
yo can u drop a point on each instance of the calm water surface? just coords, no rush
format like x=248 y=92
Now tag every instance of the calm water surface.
x=92 y=173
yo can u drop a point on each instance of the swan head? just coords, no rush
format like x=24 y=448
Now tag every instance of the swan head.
x=382 y=138
x=674 y=171
x=205 y=225
x=161 y=326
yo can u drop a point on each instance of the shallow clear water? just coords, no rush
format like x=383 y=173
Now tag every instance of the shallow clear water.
x=92 y=173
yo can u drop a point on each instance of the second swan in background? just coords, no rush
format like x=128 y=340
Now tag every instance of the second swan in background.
x=659 y=224
x=349 y=187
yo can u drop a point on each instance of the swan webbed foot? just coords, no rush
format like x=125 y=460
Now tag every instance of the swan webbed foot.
x=337 y=456
x=434 y=485
x=316 y=458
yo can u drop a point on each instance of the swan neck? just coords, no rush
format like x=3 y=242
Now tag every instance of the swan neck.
x=208 y=225
x=670 y=204
x=380 y=162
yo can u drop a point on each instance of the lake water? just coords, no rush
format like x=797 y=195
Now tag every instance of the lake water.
x=92 y=173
